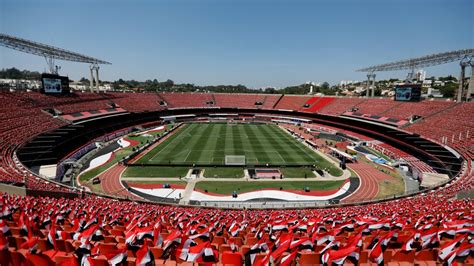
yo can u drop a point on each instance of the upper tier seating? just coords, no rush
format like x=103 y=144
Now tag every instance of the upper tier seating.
x=187 y=100
x=317 y=103
x=375 y=106
x=424 y=108
x=73 y=103
x=341 y=105
x=292 y=102
x=137 y=102
x=270 y=100
x=456 y=123
x=238 y=100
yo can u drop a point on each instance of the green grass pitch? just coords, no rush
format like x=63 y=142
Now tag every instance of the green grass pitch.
x=227 y=187
x=209 y=143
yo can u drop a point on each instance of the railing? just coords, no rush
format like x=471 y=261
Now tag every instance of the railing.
x=305 y=204
x=260 y=204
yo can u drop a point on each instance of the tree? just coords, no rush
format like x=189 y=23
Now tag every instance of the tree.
x=448 y=90
x=270 y=90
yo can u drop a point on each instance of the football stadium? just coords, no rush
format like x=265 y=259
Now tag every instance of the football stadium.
x=96 y=175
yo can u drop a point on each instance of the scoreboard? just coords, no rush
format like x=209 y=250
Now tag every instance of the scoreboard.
x=408 y=93
x=54 y=84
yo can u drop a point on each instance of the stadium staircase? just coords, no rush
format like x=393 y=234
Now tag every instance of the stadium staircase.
x=188 y=191
x=277 y=102
x=214 y=100
x=161 y=98
x=264 y=101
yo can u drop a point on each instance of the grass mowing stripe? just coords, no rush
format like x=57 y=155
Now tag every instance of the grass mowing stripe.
x=321 y=162
x=309 y=157
x=271 y=146
x=284 y=154
x=250 y=156
x=209 y=143
x=263 y=156
x=229 y=142
x=170 y=154
x=219 y=152
x=197 y=144
x=150 y=155
x=239 y=150
x=167 y=143
x=205 y=154
x=224 y=172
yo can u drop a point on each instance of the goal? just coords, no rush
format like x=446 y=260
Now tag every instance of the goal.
x=235 y=160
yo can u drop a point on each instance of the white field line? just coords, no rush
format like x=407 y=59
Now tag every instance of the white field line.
x=189 y=152
x=151 y=159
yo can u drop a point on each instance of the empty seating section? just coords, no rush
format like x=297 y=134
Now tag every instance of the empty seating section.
x=455 y=124
x=340 y=105
x=270 y=100
x=137 y=102
x=225 y=100
x=311 y=101
x=375 y=106
x=317 y=103
x=187 y=100
x=238 y=100
x=424 y=109
x=292 y=102
x=73 y=103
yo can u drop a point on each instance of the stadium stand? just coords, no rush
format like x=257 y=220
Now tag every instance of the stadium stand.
x=187 y=100
x=375 y=106
x=453 y=123
x=137 y=102
x=292 y=102
x=269 y=101
x=423 y=109
x=317 y=103
x=424 y=229
x=70 y=231
x=72 y=103
x=341 y=105
x=238 y=100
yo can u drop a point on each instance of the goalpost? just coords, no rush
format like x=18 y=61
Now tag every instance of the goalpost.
x=235 y=160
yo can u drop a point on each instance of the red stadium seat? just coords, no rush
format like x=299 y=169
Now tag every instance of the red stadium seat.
x=231 y=258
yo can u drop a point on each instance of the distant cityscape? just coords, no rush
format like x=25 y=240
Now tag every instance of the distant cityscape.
x=432 y=87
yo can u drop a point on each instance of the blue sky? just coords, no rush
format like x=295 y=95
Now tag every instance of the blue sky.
x=255 y=43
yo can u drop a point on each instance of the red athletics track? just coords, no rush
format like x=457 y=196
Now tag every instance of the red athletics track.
x=369 y=181
x=110 y=179
x=110 y=182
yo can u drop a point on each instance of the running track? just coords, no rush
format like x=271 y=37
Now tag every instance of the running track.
x=110 y=182
x=110 y=179
x=369 y=181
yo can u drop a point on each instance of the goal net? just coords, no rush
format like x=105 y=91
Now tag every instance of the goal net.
x=235 y=160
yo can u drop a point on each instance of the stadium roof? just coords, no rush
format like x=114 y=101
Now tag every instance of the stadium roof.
x=424 y=61
x=45 y=50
